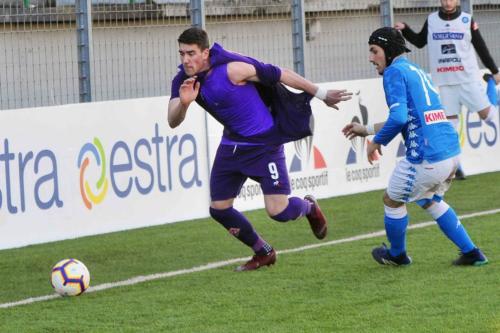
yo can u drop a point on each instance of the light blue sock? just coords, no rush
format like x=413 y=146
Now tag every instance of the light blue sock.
x=396 y=222
x=491 y=91
x=450 y=225
x=455 y=231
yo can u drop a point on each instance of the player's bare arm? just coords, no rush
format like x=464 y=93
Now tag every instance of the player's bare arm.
x=330 y=97
x=497 y=78
x=353 y=130
x=371 y=149
x=241 y=72
x=177 y=107
x=400 y=25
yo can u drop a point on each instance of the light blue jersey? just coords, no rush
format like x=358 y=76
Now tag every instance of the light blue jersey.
x=416 y=112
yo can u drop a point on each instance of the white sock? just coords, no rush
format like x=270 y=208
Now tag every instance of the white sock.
x=492 y=114
x=437 y=209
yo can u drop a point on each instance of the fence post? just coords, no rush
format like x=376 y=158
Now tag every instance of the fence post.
x=466 y=5
x=298 y=36
x=386 y=13
x=84 y=42
x=197 y=13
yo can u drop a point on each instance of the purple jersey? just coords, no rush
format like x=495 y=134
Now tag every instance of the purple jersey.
x=238 y=107
x=291 y=112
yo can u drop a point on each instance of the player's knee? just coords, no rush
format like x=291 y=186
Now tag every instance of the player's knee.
x=278 y=213
x=391 y=203
x=437 y=198
x=276 y=205
x=280 y=217
x=218 y=214
x=424 y=203
x=214 y=213
x=483 y=114
x=221 y=205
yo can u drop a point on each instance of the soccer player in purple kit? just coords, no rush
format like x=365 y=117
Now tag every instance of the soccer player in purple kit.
x=259 y=116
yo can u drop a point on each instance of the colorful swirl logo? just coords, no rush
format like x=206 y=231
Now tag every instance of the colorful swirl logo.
x=97 y=151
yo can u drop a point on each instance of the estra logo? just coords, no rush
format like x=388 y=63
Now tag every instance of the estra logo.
x=92 y=152
x=156 y=163
x=29 y=179
x=479 y=132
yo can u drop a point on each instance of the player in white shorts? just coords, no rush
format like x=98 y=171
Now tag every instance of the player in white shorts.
x=432 y=151
x=453 y=38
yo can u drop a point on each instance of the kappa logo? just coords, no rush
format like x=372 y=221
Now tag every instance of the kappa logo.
x=302 y=158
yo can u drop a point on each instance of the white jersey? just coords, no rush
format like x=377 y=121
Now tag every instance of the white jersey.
x=452 y=57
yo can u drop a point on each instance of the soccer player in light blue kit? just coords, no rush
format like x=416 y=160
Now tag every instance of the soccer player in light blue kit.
x=432 y=151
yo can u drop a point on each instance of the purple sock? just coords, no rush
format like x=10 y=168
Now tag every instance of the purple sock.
x=296 y=208
x=261 y=247
x=238 y=226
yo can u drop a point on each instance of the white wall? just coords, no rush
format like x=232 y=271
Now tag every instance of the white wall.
x=149 y=174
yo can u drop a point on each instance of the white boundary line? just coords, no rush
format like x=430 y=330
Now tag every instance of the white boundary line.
x=140 y=279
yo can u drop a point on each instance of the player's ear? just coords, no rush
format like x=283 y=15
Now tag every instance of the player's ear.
x=205 y=53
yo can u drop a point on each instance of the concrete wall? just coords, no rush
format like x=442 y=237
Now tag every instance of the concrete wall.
x=138 y=58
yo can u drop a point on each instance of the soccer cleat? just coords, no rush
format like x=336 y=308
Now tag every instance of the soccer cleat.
x=459 y=174
x=487 y=77
x=257 y=262
x=471 y=258
x=382 y=256
x=316 y=219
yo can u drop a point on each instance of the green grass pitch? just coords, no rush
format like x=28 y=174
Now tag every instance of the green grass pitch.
x=336 y=288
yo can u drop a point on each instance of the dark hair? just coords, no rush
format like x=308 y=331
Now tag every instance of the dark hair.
x=391 y=40
x=196 y=36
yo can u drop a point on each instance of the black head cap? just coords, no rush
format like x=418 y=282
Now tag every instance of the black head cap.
x=391 y=41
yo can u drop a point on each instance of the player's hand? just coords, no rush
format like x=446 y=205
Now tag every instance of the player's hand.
x=372 y=150
x=189 y=90
x=334 y=97
x=353 y=130
x=399 y=25
x=497 y=78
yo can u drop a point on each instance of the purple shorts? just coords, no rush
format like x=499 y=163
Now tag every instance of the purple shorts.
x=233 y=164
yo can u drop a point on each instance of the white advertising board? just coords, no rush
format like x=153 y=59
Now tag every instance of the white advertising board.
x=76 y=170
x=84 y=169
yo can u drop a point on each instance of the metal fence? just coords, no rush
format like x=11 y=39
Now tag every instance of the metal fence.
x=133 y=47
